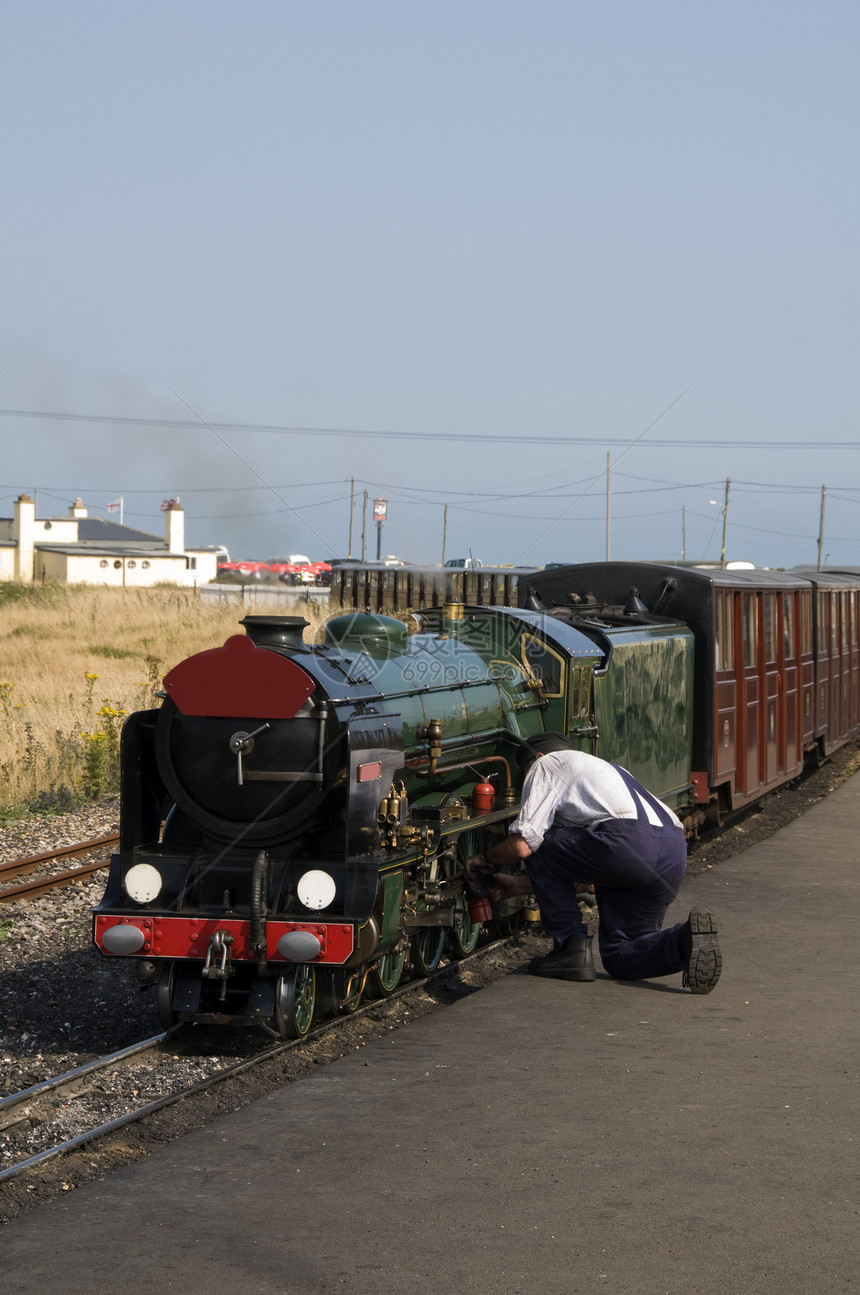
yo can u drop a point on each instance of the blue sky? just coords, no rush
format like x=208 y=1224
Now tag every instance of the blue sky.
x=508 y=239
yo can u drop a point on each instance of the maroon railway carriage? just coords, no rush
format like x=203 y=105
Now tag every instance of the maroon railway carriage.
x=755 y=717
x=836 y=634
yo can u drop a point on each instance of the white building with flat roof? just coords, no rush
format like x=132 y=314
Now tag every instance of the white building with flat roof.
x=81 y=549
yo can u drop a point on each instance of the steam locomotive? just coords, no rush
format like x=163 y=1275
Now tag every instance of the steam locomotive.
x=296 y=815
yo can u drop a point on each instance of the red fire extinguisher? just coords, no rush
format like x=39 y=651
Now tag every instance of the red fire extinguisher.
x=483 y=797
x=477 y=894
x=480 y=910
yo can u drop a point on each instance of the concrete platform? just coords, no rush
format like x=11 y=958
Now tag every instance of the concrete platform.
x=539 y=1136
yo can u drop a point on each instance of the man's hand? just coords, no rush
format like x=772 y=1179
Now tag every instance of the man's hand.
x=505 y=886
x=500 y=885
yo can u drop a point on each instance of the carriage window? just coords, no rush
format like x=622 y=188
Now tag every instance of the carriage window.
x=750 y=631
x=789 y=645
x=769 y=622
x=725 y=657
x=805 y=624
x=544 y=663
x=823 y=633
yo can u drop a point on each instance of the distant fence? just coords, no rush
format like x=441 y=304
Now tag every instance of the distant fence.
x=384 y=589
x=284 y=598
x=402 y=589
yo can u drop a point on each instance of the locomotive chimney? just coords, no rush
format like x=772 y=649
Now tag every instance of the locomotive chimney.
x=634 y=605
x=276 y=631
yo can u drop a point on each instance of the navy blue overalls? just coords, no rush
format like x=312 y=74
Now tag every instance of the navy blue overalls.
x=636 y=868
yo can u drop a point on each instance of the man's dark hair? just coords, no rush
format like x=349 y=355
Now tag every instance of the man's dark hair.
x=541 y=744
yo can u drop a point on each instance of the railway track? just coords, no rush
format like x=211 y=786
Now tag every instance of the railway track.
x=41 y=885
x=41 y=1104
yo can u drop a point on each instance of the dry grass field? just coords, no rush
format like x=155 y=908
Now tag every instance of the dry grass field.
x=73 y=661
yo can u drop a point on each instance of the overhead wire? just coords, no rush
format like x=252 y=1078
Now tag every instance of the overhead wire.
x=464 y=500
x=494 y=438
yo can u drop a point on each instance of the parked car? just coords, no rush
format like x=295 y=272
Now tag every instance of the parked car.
x=471 y=564
x=254 y=570
x=307 y=573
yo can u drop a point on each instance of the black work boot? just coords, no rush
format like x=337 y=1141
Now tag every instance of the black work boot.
x=701 y=951
x=573 y=961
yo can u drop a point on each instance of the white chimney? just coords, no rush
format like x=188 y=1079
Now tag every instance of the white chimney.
x=25 y=534
x=174 y=527
x=78 y=509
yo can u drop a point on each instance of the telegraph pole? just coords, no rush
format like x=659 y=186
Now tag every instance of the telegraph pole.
x=351 y=504
x=444 y=532
x=821 y=527
x=607 y=508
x=725 y=523
x=363 y=525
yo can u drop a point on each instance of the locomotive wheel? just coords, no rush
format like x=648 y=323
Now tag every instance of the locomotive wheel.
x=164 y=998
x=295 y=1000
x=426 y=949
x=463 y=933
x=342 y=992
x=384 y=976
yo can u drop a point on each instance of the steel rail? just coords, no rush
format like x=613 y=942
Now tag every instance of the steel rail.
x=42 y=885
x=18 y=867
x=80 y=1072
x=32 y=889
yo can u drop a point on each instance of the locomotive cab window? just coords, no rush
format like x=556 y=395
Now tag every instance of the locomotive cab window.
x=509 y=674
x=544 y=664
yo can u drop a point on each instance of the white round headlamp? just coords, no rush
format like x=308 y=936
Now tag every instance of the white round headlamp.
x=142 y=883
x=316 y=889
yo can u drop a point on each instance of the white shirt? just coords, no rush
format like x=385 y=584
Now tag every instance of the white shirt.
x=576 y=788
